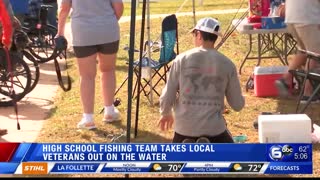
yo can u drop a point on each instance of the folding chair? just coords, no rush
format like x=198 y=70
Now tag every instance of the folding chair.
x=160 y=67
x=302 y=77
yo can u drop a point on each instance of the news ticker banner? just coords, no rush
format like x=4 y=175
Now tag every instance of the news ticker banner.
x=66 y=158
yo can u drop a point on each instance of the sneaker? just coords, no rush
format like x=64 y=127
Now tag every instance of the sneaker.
x=188 y=141
x=304 y=100
x=83 y=124
x=203 y=140
x=283 y=87
x=109 y=118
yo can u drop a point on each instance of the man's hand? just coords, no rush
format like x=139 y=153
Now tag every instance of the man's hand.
x=58 y=35
x=166 y=122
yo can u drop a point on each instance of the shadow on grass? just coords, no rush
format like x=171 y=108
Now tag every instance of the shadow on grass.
x=289 y=106
x=118 y=135
x=123 y=68
x=30 y=108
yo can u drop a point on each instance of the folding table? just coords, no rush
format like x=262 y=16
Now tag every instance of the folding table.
x=277 y=42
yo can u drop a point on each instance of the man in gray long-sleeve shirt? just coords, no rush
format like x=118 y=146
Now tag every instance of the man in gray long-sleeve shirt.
x=199 y=80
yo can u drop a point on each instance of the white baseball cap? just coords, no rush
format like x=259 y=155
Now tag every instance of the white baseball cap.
x=208 y=25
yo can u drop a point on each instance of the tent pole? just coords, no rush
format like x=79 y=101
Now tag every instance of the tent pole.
x=185 y=1
x=194 y=12
x=149 y=51
x=130 y=71
x=140 y=66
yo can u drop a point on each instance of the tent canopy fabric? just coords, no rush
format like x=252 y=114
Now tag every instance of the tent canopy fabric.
x=20 y=6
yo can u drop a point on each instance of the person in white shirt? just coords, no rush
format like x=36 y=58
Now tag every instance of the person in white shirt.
x=303 y=20
x=199 y=81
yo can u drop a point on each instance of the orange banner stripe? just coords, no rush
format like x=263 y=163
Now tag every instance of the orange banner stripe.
x=34 y=168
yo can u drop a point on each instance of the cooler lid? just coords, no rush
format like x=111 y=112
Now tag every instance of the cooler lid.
x=270 y=70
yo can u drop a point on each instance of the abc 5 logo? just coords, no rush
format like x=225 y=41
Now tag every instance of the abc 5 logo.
x=277 y=152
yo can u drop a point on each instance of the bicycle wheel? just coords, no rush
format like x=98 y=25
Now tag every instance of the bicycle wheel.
x=34 y=69
x=21 y=79
x=42 y=46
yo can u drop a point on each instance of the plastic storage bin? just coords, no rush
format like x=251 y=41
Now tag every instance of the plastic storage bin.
x=284 y=128
x=272 y=22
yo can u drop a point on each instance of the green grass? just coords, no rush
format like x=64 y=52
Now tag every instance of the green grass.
x=61 y=125
x=173 y=6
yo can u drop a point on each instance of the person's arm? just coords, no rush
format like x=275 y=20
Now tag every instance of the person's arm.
x=6 y=20
x=281 y=11
x=233 y=92
x=117 y=6
x=168 y=98
x=169 y=92
x=64 y=10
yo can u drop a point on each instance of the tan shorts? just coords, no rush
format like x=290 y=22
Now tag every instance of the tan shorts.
x=307 y=36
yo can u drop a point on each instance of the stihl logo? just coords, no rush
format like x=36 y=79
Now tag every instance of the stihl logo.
x=34 y=168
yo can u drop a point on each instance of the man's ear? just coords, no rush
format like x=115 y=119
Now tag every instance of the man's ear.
x=199 y=35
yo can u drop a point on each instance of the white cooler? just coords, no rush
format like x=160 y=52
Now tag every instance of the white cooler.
x=284 y=128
